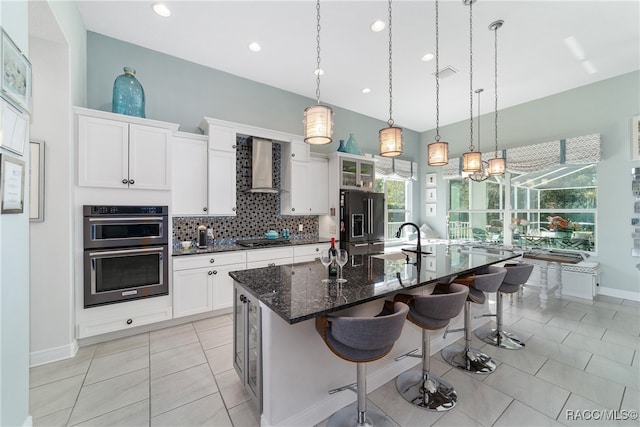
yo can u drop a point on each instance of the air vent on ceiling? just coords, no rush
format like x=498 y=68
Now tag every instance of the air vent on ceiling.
x=447 y=71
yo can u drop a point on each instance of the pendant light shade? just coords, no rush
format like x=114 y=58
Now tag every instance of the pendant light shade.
x=471 y=160
x=318 y=124
x=497 y=165
x=390 y=141
x=390 y=138
x=438 y=151
x=318 y=119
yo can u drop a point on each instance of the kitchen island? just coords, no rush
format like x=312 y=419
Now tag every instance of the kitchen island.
x=287 y=367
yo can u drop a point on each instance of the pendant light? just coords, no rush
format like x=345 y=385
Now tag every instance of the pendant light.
x=471 y=160
x=390 y=138
x=318 y=119
x=483 y=173
x=438 y=151
x=497 y=165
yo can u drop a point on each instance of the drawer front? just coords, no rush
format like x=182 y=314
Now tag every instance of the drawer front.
x=270 y=254
x=187 y=262
x=88 y=329
x=310 y=250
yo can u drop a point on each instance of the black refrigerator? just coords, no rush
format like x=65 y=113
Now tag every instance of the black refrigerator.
x=361 y=222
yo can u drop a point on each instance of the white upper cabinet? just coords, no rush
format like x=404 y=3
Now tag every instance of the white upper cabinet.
x=318 y=186
x=117 y=151
x=222 y=170
x=189 y=162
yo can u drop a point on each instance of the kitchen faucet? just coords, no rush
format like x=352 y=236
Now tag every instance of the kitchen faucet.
x=419 y=247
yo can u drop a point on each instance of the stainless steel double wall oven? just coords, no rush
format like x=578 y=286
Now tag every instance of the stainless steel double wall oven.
x=126 y=253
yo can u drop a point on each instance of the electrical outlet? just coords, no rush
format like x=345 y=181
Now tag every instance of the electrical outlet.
x=210 y=232
x=300 y=227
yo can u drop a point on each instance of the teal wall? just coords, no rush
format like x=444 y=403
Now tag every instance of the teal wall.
x=605 y=107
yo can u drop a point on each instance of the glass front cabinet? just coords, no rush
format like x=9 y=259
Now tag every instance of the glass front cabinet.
x=356 y=173
x=247 y=343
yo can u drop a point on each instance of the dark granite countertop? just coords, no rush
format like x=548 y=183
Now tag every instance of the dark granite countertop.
x=231 y=245
x=296 y=292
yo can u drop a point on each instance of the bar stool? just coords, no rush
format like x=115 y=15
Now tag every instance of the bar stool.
x=465 y=357
x=517 y=275
x=430 y=312
x=361 y=340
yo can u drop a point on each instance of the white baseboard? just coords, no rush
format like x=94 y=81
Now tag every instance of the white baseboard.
x=49 y=355
x=611 y=292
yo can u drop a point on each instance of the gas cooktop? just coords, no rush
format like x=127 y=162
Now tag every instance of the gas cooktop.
x=263 y=243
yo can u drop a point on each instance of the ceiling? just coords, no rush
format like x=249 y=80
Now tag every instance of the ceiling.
x=534 y=58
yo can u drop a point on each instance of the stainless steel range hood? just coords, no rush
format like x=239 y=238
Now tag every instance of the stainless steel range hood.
x=262 y=166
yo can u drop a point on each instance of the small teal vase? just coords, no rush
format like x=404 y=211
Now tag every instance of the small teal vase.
x=352 y=145
x=341 y=147
x=128 y=94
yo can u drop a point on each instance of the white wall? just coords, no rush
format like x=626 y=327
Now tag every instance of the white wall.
x=59 y=61
x=14 y=270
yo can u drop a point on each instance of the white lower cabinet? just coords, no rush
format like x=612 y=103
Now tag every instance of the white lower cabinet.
x=305 y=253
x=202 y=283
x=269 y=257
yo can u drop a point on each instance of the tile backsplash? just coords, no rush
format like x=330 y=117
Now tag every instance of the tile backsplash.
x=256 y=213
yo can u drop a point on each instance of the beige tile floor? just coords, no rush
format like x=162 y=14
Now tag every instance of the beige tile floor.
x=580 y=356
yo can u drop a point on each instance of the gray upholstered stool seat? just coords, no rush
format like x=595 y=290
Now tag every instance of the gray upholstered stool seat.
x=517 y=275
x=430 y=312
x=465 y=357
x=361 y=340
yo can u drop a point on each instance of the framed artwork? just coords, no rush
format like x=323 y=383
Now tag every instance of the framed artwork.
x=13 y=127
x=432 y=195
x=16 y=74
x=36 y=181
x=431 y=180
x=431 y=209
x=635 y=138
x=11 y=185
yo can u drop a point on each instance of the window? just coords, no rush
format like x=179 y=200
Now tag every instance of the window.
x=555 y=208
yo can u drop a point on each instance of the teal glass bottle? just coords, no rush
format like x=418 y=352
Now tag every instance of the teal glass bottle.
x=352 y=145
x=128 y=94
x=341 y=147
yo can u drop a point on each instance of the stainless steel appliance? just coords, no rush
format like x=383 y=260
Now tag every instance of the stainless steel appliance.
x=263 y=243
x=361 y=222
x=126 y=253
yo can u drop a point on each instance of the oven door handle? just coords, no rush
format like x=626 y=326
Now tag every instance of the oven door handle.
x=125 y=252
x=127 y=219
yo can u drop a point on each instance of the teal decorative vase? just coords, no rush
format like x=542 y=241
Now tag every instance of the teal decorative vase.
x=341 y=147
x=128 y=94
x=352 y=145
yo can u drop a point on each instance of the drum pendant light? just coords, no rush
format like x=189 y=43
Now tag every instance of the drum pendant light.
x=438 y=151
x=471 y=160
x=318 y=119
x=497 y=165
x=390 y=138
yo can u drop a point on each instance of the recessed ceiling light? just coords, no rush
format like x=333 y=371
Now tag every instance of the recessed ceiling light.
x=378 y=26
x=255 y=47
x=318 y=72
x=366 y=90
x=161 y=9
x=428 y=57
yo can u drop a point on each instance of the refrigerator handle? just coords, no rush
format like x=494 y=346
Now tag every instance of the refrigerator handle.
x=371 y=219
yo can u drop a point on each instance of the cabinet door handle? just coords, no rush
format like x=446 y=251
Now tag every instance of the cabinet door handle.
x=131 y=182
x=212 y=260
x=272 y=264
x=233 y=146
x=233 y=208
x=293 y=154
x=204 y=209
x=317 y=249
x=293 y=209
x=215 y=272
x=129 y=321
x=125 y=181
x=210 y=273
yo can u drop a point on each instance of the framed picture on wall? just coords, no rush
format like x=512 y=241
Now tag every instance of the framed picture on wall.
x=431 y=209
x=13 y=127
x=431 y=180
x=11 y=185
x=16 y=74
x=432 y=195
x=635 y=138
x=36 y=181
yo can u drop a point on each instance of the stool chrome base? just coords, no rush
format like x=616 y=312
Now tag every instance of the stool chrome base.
x=348 y=417
x=470 y=360
x=500 y=339
x=432 y=393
